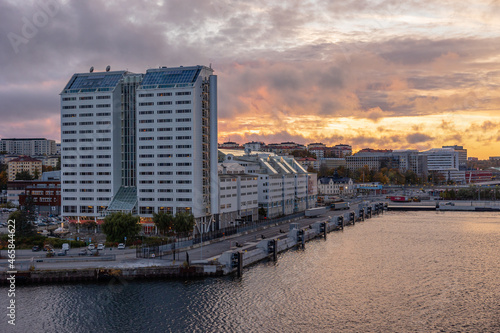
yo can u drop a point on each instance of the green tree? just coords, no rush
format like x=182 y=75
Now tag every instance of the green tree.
x=119 y=225
x=58 y=165
x=163 y=221
x=262 y=212
x=184 y=223
x=36 y=175
x=24 y=219
x=24 y=175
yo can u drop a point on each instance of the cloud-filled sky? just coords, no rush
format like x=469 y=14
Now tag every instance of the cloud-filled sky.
x=379 y=74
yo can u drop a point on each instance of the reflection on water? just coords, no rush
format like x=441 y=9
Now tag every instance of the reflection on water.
x=400 y=272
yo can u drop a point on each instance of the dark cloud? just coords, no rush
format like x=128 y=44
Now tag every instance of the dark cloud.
x=418 y=138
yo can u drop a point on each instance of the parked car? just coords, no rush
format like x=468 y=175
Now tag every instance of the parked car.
x=61 y=253
x=450 y=204
x=121 y=246
x=36 y=248
x=91 y=247
x=100 y=247
x=83 y=252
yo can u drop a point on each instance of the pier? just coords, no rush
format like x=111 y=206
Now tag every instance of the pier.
x=213 y=258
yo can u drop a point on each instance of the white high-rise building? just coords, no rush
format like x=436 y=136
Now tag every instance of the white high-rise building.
x=29 y=147
x=140 y=143
x=177 y=142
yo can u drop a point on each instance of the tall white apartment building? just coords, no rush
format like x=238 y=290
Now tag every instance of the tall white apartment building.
x=140 y=143
x=177 y=142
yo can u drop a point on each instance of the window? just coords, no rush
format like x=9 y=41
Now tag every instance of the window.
x=183 y=137
x=146 y=95
x=146 y=164
x=103 y=148
x=146 y=121
x=146 y=210
x=164 y=103
x=69 y=140
x=146 y=130
x=87 y=209
x=146 y=103
x=86 y=173
x=183 y=128
x=163 y=138
x=146 y=138
x=147 y=182
x=86 y=131
x=183 y=182
x=182 y=120
x=70 y=181
x=146 y=147
x=69 y=107
x=146 y=190
x=107 y=122
x=183 y=102
x=69 y=173
x=183 y=190
x=103 y=114
x=86 y=98
x=104 y=165
x=103 y=131
x=164 y=147
x=69 y=124
x=164 y=173
x=183 y=199
x=183 y=173
x=183 y=155
x=164 y=155
x=164 y=164
x=182 y=146
x=89 y=106
x=164 y=199
x=69 y=99
x=164 y=120
x=183 y=164
x=86 y=123
x=103 y=139
x=86 y=114
x=69 y=132
x=164 y=182
x=69 y=166
x=182 y=93
x=103 y=97
x=147 y=199
x=104 y=173
x=164 y=94
x=163 y=111
x=165 y=190
x=183 y=111
x=86 y=190
x=103 y=190
x=69 y=115
x=146 y=112
x=146 y=156
x=69 y=198
x=104 y=182
x=70 y=190
x=86 y=156
x=86 y=140
x=69 y=209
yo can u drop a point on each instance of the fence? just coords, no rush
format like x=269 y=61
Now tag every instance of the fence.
x=161 y=250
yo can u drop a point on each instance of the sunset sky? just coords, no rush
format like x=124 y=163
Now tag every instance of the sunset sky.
x=379 y=74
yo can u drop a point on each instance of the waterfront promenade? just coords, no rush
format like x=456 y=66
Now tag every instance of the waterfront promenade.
x=205 y=254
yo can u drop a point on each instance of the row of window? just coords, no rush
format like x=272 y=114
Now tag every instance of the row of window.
x=84 y=209
x=84 y=98
x=166 y=147
x=163 y=120
x=164 y=173
x=163 y=155
x=73 y=115
x=166 y=129
x=87 y=132
x=86 y=106
x=164 y=111
x=165 y=182
x=179 y=93
x=160 y=103
x=87 y=182
x=87 y=190
x=87 y=140
x=86 y=165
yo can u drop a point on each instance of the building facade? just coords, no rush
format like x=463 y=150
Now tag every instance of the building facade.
x=29 y=147
x=140 y=143
x=24 y=163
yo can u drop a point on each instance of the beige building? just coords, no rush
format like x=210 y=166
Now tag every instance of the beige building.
x=24 y=163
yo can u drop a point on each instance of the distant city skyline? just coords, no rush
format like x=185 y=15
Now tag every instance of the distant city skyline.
x=380 y=75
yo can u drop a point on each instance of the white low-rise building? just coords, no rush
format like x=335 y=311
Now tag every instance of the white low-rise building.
x=335 y=186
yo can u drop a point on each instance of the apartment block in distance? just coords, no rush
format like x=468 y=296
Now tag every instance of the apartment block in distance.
x=24 y=163
x=30 y=147
x=140 y=143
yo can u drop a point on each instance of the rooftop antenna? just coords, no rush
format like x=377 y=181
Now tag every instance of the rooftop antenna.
x=108 y=68
x=91 y=69
x=210 y=65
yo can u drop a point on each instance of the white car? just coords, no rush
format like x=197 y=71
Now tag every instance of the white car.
x=121 y=246
x=100 y=247
x=91 y=247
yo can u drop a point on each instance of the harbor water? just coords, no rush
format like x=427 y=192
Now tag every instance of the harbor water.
x=397 y=272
